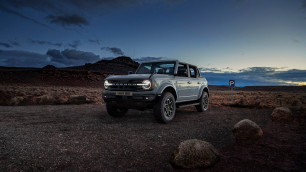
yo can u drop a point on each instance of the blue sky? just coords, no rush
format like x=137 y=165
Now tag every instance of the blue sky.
x=228 y=39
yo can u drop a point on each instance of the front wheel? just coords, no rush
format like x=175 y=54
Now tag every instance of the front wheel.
x=203 y=106
x=164 y=109
x=115 y=111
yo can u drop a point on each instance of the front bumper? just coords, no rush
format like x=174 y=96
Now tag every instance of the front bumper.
x=139 y=100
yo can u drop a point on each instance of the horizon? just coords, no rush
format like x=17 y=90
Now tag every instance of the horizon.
x=255 y=42
x=256 y=76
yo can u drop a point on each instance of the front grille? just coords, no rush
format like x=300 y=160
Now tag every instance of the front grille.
x=124 y=85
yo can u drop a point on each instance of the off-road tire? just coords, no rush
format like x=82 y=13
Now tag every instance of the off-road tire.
x=115 y=111
x=164 y=109
x=204 y=102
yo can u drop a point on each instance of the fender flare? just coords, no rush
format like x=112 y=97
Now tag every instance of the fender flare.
x=166 y=86
x=204 y=87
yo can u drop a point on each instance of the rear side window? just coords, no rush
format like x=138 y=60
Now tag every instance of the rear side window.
x=193 y=71
x=182 y=70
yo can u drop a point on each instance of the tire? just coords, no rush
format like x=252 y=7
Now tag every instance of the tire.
x=115 y=111
x=164 y=109
x=204 y=102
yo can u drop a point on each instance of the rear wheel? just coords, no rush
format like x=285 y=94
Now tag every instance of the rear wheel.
x=164 y=110
x=203 y=106
x=115 y=111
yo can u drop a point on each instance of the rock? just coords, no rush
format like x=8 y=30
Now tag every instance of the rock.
x=282 y=114
x=18 y=100
x=45 y=100
x=247 y=130
x=195 y=153
x=77 y=99
x=61 y=100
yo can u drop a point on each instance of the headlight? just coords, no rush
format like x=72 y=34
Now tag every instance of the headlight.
x=106 y=84
x=146 y=84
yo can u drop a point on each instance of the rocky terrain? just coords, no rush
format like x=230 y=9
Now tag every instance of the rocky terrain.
x=26 y=94
x=85 y=138
x=79 y=135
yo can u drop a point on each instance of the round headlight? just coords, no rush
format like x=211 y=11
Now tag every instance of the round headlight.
x=146 y=84
x=106 y=84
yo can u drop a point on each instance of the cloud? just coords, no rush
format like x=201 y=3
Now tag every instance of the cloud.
x=257 y=76
x=6 y=45
x=147 y=59
x=79 y=55
x=69 y=12
x=114 y=50
x=16 y=58
x=9 y=44
x=4 y=8
x=66 y=58
x=95 y=41
x=57 y=44
x=57 y=57
x=63 y=12
x=71 y=57
x=206 y=69
x=291 y=75
x=97 y=5
x=74 y=44
x=68 y=20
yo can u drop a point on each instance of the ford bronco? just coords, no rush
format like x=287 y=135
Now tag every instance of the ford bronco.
x=159 y=85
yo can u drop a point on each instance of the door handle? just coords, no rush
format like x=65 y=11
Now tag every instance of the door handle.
x=189 y=82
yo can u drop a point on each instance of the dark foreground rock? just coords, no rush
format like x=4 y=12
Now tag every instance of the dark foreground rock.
x=282 y=148
x=282 y=114
x=195 y=153
x=77 y=99
x=247 y=130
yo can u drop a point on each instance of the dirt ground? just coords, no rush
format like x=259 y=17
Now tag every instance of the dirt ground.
x=85 y=137
x=20 y=94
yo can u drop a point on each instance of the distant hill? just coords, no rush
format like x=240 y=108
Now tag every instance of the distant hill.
x=120 y=65
x=87 y=75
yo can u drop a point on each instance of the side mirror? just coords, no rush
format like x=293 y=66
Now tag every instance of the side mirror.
x=130 y=72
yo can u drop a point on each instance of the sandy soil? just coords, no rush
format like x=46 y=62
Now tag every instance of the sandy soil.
x=84 y=137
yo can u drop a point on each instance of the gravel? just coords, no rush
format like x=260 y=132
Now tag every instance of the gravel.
x=85 y=137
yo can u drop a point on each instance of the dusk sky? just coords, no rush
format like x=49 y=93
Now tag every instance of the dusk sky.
x=256 y=42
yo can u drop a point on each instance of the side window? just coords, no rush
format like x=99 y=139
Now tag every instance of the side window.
x=199 y=74
x=182 y=70
x=193 y=71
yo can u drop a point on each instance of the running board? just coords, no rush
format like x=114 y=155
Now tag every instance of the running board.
x=178 y=105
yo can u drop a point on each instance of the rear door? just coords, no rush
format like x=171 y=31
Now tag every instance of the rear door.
x=183 y=83
x=193 y=82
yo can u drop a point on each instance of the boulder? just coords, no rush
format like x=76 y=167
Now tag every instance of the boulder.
x=77 y=99
x=45 y=100
x=282 y=114
x=247 y=130
x=61 y=99
x=18 y=100
x=195 y=153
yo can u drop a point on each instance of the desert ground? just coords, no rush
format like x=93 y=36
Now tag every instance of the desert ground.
x=84 y=137
x=55 y=120
x=44 y=128
x=25 y=94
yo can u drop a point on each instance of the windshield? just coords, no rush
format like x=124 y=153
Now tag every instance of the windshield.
x=156 y=67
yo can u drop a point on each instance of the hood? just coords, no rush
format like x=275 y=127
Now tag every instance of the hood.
x=127 y=77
